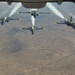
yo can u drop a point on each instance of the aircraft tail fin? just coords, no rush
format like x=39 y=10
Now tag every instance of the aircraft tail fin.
x=71 y=19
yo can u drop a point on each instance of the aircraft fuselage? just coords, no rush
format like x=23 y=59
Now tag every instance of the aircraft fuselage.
x=68 y=23
x=5 y=19
x=35 y=3
x=34 y=12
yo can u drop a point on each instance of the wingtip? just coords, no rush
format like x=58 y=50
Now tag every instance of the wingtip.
x=51 y=12
x=17 y=12
x=20 y=18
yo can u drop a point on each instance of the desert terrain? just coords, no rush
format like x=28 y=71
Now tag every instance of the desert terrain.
x=47 y=52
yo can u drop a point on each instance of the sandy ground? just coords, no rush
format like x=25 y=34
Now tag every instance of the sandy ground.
x=47 y=52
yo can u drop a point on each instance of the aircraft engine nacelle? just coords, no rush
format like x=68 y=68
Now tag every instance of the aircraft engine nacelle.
x=34 y=5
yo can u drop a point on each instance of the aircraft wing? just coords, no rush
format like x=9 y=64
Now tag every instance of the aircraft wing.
x=61 y=22
x=39 y=12
x=45 y=12
x=24 y=12
x=14 y=18
x=0 y=19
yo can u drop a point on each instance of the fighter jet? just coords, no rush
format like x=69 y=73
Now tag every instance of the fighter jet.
x=35 y=4
x=68 y=23
x=7 y=19
x=34 y=13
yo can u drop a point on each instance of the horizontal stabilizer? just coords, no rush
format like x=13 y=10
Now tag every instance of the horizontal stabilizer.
x=15 y=19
